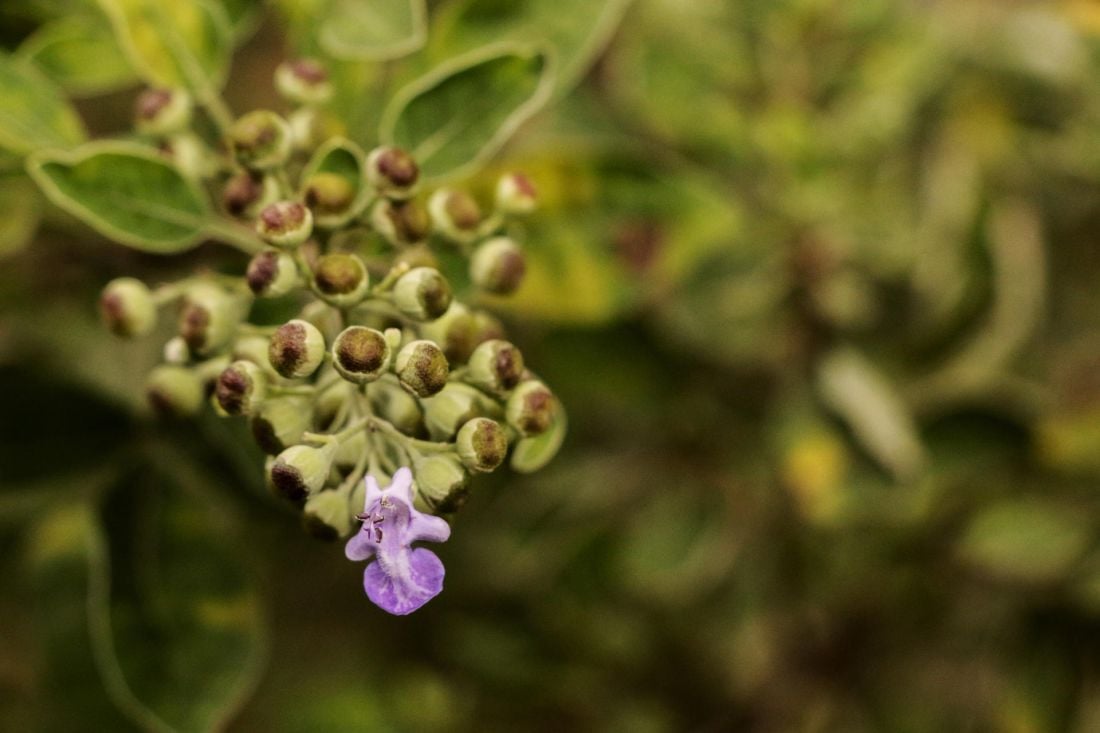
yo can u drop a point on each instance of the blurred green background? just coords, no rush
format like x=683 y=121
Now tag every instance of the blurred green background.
x=818 y=282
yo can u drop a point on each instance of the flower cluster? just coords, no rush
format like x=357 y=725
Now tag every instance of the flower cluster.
x=381 y=371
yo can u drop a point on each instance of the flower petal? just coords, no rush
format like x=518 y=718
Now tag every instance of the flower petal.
x=359 y=547
x=403 y=592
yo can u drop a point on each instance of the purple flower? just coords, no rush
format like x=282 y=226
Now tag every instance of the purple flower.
x=400 y=579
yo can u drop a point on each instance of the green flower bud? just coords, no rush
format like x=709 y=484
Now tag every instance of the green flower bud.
x=341 y=279
x=418 y=255
x=303 y=81
x=272 y=273
x=530 y=408
x=454 y=331
x=498 y=266
x=253 y=349
x=442 y=484
x=127 y=307
x=422 y=294
x=301 y=470
x=176 y=351
x=392 y=171
x=307 y=128
x=162 y=112
x=260 y=140
x=398 y=407
x=241 y=388
x=247 y=193
x=401 y=222
x=208 y=319
x=516 y=195
x=360 y=354
x=331 y=197
x=454 y=214
x=481 y=444
x=174 y=391
x=451 y=408
x=327 y=515
x=280 y=422
x=285 y=224
x=495 y=366
x=189 y=154
x=296 y=349
x=422 y=368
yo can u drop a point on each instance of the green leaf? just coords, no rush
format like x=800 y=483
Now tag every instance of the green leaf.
x=125 y=192
x=79 y=52
x=173 y=43
x=173 y=611
x=373 y=31
x=20 y=212
x=531 y=454
x=1026 y=539
x=463 y=111
x=33 y=111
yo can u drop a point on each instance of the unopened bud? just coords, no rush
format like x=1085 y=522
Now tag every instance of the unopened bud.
x=454 y=214
x=272 y=273
x=303 y=81
x=498 y=266
x=280 y=423
x=162 y=112
x=331 y=197
x=442 y=484
x=208 y=319
x=327 y=515
x=301 y=470
x=422 y=368
x=396 y=406
x=261 y=140
x=241 y=388
x=450 y=409
x=401 y=222
x=297 y=348
x=392 y=171
x=176 y=351
x=285 y=224
x=253 y=349
x=247 y=193
x=422 y=294
x=127 y=307
x=481 y=444
x=307 y=128
x=516 y=195
x=530 y=408
x=454 y=331
x=495 y=366
x=174 y=391
x=360 y=354
x=341 y=279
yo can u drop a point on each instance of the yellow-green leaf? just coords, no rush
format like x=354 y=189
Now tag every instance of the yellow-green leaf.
x=373 y=31
x=33 y=111
x=20 y=211
x=79 y=52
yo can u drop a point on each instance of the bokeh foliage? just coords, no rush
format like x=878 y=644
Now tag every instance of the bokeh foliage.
x=816 y=280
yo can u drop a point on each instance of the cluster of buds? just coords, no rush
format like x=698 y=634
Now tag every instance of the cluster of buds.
x=381 y=366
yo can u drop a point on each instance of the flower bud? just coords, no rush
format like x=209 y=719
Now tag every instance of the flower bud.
x=450 y=409
x=307 y=128
x=272 y=273
x=481 y=444
x=516 y=195
x=253 y=349
x=392 y=171
x=208 y=319
x=422 y=368
x=495 y=366
x=297 y=348
x=127 y=307
x=422 y=294
x=280 y=422
x=396 y=406
x=174 y=391
x=442 y=484
x=331 y=197
x=189 y=154
x=341 y=279
x=285 y=224
x=260 y=140
x=241 y=388
x=360 y=354
x=498 y=266
x=327 y=515
x=301 y=470
x=247 y=192
x=401 y=222
x=303 y=81
x=454 y=214
x=530 y=408
x=454 y=331
x=162 y=112
x=176 y=351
